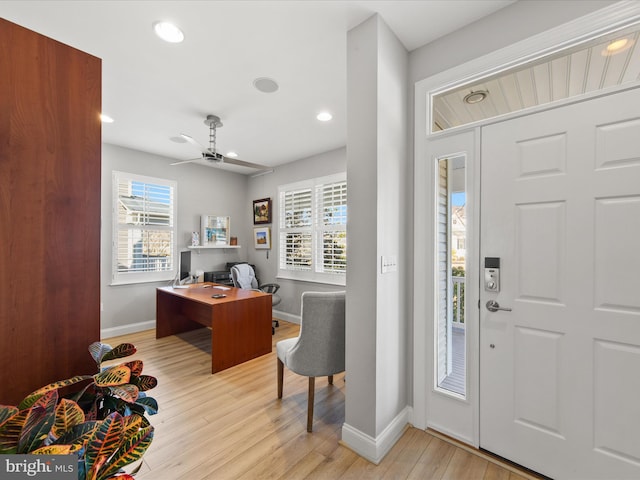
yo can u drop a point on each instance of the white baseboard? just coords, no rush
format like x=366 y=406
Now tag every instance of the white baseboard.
x=375 y=449
x=126 y=329
x=287 y=317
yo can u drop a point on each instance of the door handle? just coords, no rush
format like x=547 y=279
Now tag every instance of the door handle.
x=494 y=306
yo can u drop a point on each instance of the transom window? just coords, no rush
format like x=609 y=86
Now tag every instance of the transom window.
x=144 y=228
x=313 y=230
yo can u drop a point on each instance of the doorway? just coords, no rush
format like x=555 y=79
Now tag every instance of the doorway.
x=442 y=413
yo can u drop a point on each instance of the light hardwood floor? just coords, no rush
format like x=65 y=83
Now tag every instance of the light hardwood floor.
x=231 y=425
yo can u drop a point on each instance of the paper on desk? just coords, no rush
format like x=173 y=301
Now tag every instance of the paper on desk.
x=222 y=288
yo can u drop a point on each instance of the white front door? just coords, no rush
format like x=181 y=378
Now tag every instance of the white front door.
x=560 y=372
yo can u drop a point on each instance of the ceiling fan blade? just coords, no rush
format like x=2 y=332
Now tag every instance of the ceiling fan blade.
x=189 y=139
x=242 y=163
x=187 y=161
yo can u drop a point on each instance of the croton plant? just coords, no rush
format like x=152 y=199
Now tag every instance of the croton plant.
x=99 y=418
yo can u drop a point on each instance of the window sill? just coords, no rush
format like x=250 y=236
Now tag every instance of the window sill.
x=336 y=282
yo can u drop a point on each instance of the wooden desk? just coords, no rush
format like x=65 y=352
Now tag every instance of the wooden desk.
x=240 y=323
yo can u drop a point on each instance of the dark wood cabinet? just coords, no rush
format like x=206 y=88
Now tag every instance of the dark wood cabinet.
x=50 y=143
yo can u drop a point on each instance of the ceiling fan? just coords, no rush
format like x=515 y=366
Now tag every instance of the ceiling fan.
x=210 y=154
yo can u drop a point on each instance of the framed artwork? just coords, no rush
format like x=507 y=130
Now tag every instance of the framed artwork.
x=262 y=211
x=262 y=237
x=215 y=230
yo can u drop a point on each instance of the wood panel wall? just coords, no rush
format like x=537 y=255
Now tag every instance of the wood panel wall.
x=50 y=143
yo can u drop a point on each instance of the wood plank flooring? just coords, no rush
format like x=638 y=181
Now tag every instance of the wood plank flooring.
x=232 y=426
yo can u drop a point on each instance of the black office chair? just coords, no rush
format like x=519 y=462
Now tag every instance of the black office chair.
x=243 y=276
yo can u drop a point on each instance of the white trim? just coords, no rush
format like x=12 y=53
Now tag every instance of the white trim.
x=287 y=317
x=126 y=329
x=595 y=24
x=375 y=449
x=124 y=278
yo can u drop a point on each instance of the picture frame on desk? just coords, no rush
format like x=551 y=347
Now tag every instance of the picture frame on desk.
x=215 y=230
x=262 y=211
x=262 y=238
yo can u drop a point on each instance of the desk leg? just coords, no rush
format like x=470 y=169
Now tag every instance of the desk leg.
x=240 y=331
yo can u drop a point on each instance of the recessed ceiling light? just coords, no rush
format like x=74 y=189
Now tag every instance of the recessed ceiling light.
x=106 y=118
x=168 y=32
x=324 y=116
x=617 y=46
x=265 y=85
x=232 y=154
x=475 y=97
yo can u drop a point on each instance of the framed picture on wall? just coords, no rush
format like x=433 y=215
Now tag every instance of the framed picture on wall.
x=262 y=238
x=215 y=230
x=262 y=211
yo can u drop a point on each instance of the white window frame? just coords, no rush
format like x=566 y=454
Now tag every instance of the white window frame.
x=125 y=278
x=315 y=274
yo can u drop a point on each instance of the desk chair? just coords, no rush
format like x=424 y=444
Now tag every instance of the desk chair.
x=243 y=276
x=320 y=347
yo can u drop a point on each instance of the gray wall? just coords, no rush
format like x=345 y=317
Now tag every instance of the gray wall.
x=266 y=186
x=201 y=190
x=377 y=319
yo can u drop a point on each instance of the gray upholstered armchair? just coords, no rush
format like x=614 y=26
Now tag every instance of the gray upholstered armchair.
x=319 y=350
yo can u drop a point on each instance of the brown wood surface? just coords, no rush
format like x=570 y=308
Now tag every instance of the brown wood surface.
x=50 y=144
x=240 y=322
x=233 y=426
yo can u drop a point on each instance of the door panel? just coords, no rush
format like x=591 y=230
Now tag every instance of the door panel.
x=561 y=208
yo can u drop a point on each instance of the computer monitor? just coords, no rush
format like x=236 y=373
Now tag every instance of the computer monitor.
x=185 y=265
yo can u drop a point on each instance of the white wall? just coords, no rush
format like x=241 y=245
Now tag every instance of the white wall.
x=266 y=186
x=376 y=357
x=201 y=190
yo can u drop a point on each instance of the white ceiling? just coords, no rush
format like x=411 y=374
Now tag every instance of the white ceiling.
x=156 y=90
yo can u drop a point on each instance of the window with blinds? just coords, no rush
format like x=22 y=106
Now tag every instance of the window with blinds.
x=144 y=229
x=313 y=229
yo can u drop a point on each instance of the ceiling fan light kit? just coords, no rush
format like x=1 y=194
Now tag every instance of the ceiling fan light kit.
x=211 y=154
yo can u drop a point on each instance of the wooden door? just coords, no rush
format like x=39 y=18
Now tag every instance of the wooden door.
x=50 y=99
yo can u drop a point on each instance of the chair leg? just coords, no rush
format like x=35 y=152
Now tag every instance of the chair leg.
x=330 y=379
x=312 y=391
x=280 y=377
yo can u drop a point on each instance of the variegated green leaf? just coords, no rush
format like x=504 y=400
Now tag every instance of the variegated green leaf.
x=6 y=412
x=135 y=366
x=149 y=404
x=35 y=429
x=78 y=435
x=33 y=397
x=109 y=377
x=133 y=423
x=53 y=450
x=10 y=432
x=131 y=450
x=105 y=440
x=68 y=415
x=128 y=392
x=122 y=350
x=145 y=382
x=99 y=350
x=48 y=401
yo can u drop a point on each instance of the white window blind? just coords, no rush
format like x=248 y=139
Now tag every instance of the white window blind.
x=144 y=228
x=313 y=230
